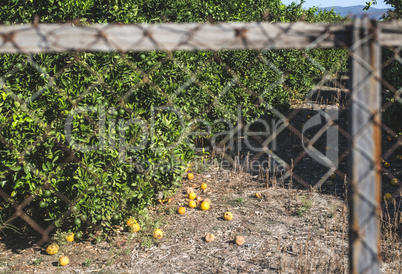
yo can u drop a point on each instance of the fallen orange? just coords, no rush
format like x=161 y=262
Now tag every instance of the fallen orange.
x=239 y=240
x=192 y=195
x=228 y=216
x=131 y=222
x=158 y=233
x=388 y=196
x=52 y=249
x=395 y=182
x=64 y=260
x=192 y=204
x=134 y=228
x=181 y=210
x=70 y=237
x=204 y=205
x=209 y=237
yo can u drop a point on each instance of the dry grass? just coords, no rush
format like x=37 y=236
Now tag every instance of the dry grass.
x=286 y=231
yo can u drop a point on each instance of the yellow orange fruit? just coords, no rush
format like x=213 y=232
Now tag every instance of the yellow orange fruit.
x=158 y=233
x=190 y=176
x=386 y=164
x=258 y=195
x=181 y=210
x=70 y=237
x=162 y=201
x=388 y=196
x=192 y=204
x=204 y=186
x=395 y=182
x=239 y=240
x=131 y=222
x=134 y=228
x=52 y=249
x=204 y=205
x=209 y=237
x=228 y=216
x=192 y=195
x=64 y=260
x=389 y=138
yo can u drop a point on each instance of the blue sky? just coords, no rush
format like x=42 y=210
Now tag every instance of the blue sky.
x=342 y=3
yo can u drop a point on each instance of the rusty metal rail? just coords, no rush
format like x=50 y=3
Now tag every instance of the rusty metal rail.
x=365 y=165
x=190 y=36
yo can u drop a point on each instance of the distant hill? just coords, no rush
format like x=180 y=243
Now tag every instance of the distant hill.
x=357 y=11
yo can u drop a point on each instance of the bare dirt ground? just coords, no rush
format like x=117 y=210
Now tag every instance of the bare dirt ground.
x=290 y=229
x=285 y=230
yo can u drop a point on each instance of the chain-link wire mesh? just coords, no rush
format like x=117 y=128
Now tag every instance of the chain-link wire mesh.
x=84 y=132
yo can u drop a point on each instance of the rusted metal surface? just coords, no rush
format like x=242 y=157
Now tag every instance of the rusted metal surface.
x=190 y=36
x=365 y=162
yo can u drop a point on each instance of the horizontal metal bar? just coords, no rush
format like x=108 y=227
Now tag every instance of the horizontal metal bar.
x=189 y=36
x=170 y=37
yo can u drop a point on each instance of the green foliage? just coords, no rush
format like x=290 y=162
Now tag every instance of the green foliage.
x=98 y=189
x=88 y=262
x=37 y=261
x=305 y=206
x=392 y=72
x=144 y=11
x=395 y=13
x=104 y=184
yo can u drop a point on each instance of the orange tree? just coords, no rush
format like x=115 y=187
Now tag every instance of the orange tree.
x=65 y=118
x=392 y=72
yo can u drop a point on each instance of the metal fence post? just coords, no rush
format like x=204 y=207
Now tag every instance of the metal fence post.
x=365 y=164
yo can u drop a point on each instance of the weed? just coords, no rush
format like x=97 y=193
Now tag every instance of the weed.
x=238 y=202
x=37 y=261
x=305 y=206
x=87 y=262
x=110 y=261
x=149 y=223
x=60 y=237
x=147 y=242
x=5 y=225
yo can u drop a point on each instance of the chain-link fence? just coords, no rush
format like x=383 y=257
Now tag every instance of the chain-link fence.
x=84 y=133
